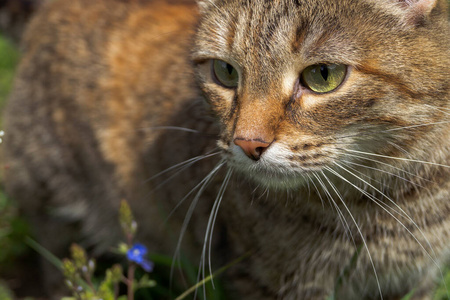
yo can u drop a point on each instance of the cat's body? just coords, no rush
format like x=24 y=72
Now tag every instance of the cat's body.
x=106 y=87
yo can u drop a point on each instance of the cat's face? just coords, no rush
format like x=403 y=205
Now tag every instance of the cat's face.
x=300 y=86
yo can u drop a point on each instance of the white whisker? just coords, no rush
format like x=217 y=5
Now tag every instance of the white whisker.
x=189 y=162
x=416 y=126
x=441 y=109
x=362 y=237
x=341 y=216
x=382 y=171
x=201 y=187
x=317 y=190
x=376 y=201
x=399 y=158
x=400 y=211
x=390 y=166
x=171 y=128
x=210 y=229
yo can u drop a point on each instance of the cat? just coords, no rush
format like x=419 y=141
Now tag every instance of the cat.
x=298 y=135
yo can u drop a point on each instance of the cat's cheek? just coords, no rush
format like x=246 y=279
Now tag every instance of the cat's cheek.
x=220 y=100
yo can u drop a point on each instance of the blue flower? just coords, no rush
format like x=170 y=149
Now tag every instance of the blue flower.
x=137 y=254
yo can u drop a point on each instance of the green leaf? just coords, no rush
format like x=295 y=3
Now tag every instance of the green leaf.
x=5 y=293
x=121 y=249
x=145 y=282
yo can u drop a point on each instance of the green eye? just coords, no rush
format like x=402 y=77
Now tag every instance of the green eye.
x=225 y=74
x=323 y=78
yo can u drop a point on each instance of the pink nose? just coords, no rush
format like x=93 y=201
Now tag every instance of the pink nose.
x=252 y=148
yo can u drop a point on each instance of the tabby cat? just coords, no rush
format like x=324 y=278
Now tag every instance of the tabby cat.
x=293 y=133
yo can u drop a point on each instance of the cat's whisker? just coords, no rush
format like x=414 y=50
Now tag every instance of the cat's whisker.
x=402 y=212
x=376 y=130
x=200 y=187
x=182 y=129
x=444 y=110
x=317 y=190
x=207 y=243
x=178 y=128
x=390 y=166
x=415 y=126
x=333 y=203
x=307 y=183
x=364 y=131
x=359 y=231
x=398 y=158
x=361 y=173
x=181 y=169
x=376 y=201
x=186 y=162
x=383 y=205
x=261 y=195
x=382 y=171
x=401 y=149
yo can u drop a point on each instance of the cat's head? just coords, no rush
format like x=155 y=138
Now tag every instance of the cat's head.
x=302 y=86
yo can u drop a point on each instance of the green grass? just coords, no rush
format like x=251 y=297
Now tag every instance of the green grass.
x=12 y=228
x=8 y=61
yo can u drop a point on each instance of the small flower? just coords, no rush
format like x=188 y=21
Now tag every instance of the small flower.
x=69 y=283
x=136 y=254
x=91 y=266
x=147 y=265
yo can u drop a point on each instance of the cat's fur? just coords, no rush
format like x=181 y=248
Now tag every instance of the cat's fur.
x=14 y=14
x=99 y=80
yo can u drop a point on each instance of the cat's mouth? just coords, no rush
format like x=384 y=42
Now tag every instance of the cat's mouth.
x=277 y=167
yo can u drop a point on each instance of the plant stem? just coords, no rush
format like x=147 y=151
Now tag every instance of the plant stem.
x=130 y=281
x=89 y=282
x=116 y=290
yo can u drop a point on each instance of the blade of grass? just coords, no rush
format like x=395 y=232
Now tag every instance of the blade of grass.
x=44 y=252
x=208 y=278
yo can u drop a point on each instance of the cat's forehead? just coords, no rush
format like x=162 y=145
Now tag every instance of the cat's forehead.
x=276 y=28
x=270 y=36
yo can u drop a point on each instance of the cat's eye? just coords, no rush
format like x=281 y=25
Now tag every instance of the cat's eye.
x=323 y=78
x=225 y=74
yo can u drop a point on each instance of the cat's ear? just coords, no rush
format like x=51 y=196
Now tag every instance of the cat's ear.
x=204 y=5
x=419 y=10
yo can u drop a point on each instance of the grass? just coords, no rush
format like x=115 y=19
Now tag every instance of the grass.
x=13 y=229
x=9 y=57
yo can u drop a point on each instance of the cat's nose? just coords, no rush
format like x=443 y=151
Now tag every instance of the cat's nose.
x=252 y=148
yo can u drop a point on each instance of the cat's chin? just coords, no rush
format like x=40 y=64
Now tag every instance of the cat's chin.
x=276 y=181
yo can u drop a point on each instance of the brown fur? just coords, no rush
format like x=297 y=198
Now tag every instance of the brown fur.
x=99 y=78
